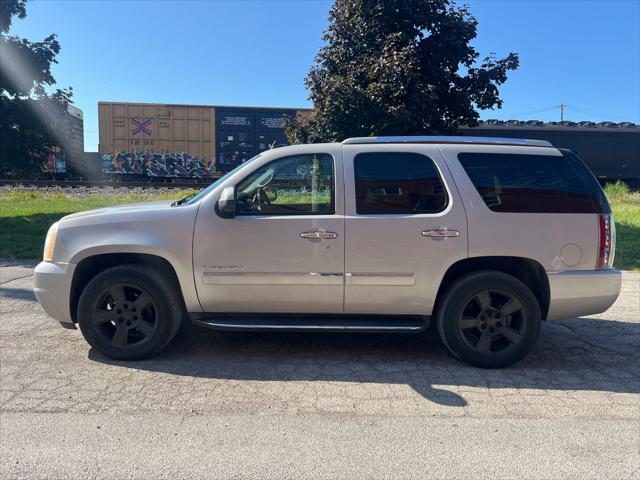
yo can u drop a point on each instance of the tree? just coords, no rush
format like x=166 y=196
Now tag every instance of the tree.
x=30 y=116
x=398 y=67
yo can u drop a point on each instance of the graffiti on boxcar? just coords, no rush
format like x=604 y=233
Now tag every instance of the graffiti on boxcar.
x=54 y=161
x=157 y=165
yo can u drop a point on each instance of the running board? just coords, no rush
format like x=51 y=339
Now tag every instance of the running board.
x=313 y=323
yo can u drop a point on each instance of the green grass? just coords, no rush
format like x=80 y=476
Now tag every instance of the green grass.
x=626 y=212
x=289 y=199
x=25 y=217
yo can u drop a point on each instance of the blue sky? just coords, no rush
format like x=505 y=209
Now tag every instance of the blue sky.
x=584 y=53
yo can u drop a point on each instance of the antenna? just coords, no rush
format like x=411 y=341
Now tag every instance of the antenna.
x=562 y=107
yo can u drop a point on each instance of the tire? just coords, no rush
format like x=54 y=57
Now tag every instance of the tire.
x=119 y=322
x=489 y=319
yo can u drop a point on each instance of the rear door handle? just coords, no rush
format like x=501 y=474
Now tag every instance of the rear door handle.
x=318 y=235
x=441 y=233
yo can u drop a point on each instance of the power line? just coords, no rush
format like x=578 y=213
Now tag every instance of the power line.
x=531 y=111
x=600 y=115
x=563 y=109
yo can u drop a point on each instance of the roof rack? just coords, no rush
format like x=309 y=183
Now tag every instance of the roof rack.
x=449 y=139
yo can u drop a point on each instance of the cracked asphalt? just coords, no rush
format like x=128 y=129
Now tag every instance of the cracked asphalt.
x=229 y=405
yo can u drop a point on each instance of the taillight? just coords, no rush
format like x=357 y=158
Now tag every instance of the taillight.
x=607 y=241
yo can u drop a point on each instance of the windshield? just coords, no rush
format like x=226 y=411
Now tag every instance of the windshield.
x=204 y=192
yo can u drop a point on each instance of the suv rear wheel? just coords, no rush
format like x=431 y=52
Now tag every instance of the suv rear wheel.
x=129 y=312
x=489 y=319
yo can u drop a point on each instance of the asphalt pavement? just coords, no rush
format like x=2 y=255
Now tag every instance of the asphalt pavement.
x=231 y=405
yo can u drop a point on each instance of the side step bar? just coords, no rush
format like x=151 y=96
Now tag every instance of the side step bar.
x=312 y=323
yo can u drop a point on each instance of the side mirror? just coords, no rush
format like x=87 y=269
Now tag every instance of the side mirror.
x=226 y=205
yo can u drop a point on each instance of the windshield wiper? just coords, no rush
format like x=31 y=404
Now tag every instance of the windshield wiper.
x=182 y=200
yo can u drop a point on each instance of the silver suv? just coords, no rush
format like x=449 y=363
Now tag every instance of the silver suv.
x=485 y=237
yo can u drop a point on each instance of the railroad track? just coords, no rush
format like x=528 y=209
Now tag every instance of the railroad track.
x=104 y=183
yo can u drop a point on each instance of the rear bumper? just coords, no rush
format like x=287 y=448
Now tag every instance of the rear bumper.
x=582 y=292
x=52 y=286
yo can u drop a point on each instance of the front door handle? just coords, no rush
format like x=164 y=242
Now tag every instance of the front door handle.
x=441 y=233
x=318 y=235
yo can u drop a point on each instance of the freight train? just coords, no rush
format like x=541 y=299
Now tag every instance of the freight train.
x=611 y=151
x=162 y=142
x=195 y=143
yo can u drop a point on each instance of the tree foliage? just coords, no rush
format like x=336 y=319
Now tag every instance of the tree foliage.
x=398 y=67
x=30 y=115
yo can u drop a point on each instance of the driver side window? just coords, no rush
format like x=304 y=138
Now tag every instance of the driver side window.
x=295 y=185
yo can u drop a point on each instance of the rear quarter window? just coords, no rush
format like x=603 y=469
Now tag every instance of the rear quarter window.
x=534 y=183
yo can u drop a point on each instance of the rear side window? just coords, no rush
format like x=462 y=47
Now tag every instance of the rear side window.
x=534 y=183
x=400 y=182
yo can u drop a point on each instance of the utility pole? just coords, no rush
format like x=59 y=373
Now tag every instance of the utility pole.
x=562 y=107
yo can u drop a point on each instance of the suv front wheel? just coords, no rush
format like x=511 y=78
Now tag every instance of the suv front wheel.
x=129 y=312
x=489 y=319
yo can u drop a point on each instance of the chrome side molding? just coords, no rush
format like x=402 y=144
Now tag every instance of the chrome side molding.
x=386 y=279
x=308 y=278
x=272 y=278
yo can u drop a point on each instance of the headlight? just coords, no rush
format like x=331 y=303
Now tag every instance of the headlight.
x=50 y=243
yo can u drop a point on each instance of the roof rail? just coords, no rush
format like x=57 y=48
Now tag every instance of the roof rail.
x=448 y=139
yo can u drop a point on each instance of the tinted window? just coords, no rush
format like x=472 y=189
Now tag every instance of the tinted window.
x=397 y=183
x=592 y=186
x=296 y=185
x=532 y=183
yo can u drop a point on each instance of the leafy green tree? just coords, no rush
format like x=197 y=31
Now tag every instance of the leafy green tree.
x=398 y=67
x=30 y=115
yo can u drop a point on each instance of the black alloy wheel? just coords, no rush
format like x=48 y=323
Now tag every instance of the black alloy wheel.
x=488 y=319
x=125 y=315
x=130 y=312
x=492 y=322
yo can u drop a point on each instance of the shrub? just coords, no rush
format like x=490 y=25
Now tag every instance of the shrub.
x=616 y=192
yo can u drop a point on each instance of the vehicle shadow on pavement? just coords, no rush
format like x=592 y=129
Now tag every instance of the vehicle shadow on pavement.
x=575 y=354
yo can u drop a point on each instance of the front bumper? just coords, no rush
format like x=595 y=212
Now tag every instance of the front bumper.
x=52 y=286
x=582 y=292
